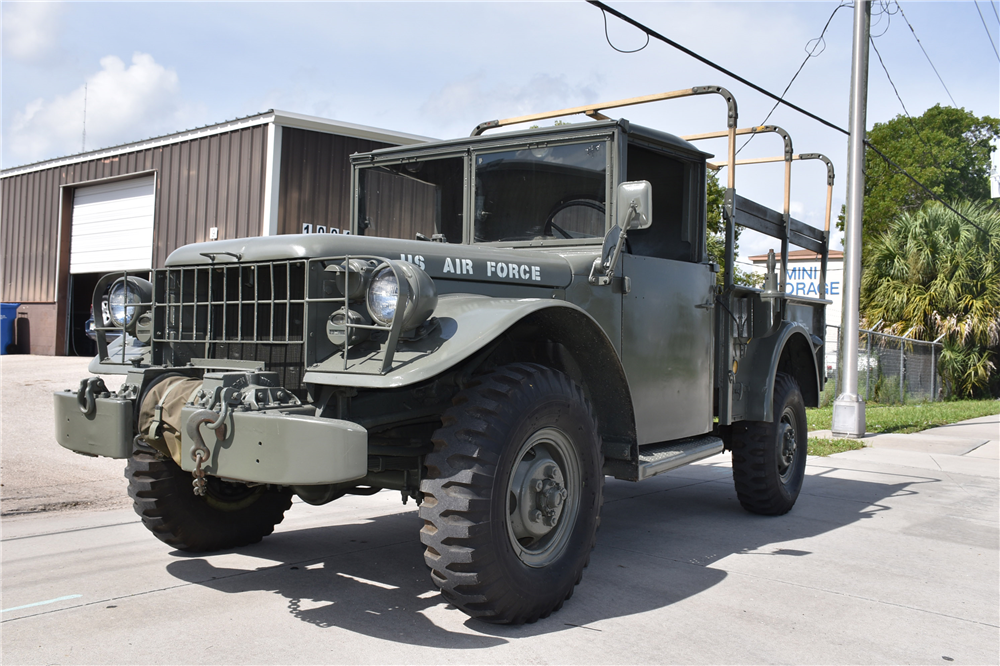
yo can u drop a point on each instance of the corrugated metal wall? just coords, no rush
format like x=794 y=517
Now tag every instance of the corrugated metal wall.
x=214 y=181
x=315 y=178
x=30 y=236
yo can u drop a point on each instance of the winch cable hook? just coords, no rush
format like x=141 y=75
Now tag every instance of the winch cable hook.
x=199 y=452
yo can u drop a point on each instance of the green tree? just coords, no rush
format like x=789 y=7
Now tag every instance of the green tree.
x=716 y=238
x=932 y=274
x=947 y=149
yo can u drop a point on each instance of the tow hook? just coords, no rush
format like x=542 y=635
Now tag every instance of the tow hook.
x=214 y=421
x=85 y=394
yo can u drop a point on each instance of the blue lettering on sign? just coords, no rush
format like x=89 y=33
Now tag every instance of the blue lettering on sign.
x=835 y=288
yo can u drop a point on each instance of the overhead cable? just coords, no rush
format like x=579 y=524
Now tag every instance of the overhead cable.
x=652 y=33
x=987 y=28
x=909 y=118
x=700 y=58
x=810 y=53
x=901 y=13
x=608 y=37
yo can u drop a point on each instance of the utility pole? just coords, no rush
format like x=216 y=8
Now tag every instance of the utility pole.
x=849 y=408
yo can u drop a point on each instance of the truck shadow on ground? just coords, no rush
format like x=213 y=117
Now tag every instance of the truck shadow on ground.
x=656 y=546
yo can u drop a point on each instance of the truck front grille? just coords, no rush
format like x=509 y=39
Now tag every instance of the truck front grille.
x=247 y=311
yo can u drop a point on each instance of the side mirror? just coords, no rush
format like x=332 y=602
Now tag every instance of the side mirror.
x=634 y=211
x=635 y=205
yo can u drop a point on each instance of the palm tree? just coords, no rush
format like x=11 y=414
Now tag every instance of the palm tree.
x=933 y=274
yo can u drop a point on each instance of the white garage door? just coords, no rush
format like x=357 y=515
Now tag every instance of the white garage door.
x=113 y=227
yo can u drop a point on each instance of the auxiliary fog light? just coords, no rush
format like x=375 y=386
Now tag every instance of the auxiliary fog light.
x=337 y=331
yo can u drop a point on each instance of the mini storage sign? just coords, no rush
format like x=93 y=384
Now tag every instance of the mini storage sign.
x=803 y=280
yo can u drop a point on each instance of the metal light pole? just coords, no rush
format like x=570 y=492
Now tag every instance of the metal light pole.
x=849 y=408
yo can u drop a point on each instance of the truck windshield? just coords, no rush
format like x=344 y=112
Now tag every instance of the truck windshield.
x=541 y=192
x=417 y=199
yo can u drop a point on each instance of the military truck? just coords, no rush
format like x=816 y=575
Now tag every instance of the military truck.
x=513 y=317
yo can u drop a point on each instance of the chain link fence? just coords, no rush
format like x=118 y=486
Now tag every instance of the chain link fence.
x=891 y=369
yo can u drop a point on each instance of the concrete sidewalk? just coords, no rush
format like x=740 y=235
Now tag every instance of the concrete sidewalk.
x=967 y=447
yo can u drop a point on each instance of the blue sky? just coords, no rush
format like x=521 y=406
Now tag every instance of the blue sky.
x=438 y=69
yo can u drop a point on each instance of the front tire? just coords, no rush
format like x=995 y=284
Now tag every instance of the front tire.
x=513 y=494
x=769 y=459
x=228 y=516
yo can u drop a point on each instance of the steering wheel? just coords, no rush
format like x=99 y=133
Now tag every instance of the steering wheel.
x=551 y=226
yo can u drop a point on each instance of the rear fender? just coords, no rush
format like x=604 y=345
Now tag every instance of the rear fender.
x=790 y=351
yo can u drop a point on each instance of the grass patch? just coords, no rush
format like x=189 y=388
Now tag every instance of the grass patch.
x=908 y=418
x=826 y=447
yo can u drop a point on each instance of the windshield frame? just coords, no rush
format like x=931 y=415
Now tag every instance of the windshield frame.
x=606 y=131
x=556 y=140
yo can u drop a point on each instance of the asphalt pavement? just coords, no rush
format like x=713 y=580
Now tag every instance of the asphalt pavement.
x=891 y=555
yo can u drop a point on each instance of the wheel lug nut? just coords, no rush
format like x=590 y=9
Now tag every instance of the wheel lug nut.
x=538 y=485
x=536 y=516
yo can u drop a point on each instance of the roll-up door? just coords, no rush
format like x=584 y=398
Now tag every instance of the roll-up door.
x=113 y=227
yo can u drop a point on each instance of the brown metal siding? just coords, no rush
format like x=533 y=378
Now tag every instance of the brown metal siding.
x=29 y=245
x=212 y=181
x=315 y=179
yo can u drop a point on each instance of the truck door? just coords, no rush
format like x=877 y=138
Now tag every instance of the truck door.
x=667 y=346
x=668 y=310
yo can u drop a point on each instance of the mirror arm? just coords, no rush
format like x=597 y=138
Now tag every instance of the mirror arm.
x=602 y=273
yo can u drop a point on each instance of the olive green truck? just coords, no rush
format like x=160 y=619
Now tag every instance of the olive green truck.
x=512 y=317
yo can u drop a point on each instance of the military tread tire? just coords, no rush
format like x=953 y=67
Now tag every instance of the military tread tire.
x=228 y=516
x=769 y=458
x=508 y=447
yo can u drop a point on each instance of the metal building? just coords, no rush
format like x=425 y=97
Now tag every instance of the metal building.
x=67 y=221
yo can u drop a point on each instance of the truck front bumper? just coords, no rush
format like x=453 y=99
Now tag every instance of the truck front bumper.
x=282 y=447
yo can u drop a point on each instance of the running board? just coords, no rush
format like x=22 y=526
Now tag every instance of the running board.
x=658 y=458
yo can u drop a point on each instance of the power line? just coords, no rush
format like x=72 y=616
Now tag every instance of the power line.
x=608 y=37
x=986 y=27
x=810 y=53
x=994 y=7
x=934 y=196
x=901 y=13
x=700 y=58
x=930 y=151
x=886 y=11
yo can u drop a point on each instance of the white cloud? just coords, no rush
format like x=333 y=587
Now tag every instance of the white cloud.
x=30 y=29
x=122 y=104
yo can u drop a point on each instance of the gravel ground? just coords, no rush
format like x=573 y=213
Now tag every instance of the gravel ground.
x=36 y=474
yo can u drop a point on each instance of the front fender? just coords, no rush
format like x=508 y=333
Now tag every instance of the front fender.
x=778 y=353
x=466 y=324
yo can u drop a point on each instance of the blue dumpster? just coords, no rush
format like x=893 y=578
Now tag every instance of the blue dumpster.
x=8 y=313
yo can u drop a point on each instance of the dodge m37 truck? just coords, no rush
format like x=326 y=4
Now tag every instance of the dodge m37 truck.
x=513 y=317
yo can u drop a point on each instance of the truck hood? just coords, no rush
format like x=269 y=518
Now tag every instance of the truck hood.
x=439 y=260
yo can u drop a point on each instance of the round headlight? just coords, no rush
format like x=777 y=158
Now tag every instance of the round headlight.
x=127 y=299
x=383 y=294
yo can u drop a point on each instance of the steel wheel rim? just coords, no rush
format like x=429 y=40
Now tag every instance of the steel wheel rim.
x=543 y=497
x=787 y=444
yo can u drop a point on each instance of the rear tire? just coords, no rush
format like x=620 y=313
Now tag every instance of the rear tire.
x=513 y=495
x=228 y=516
x=769 y=459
